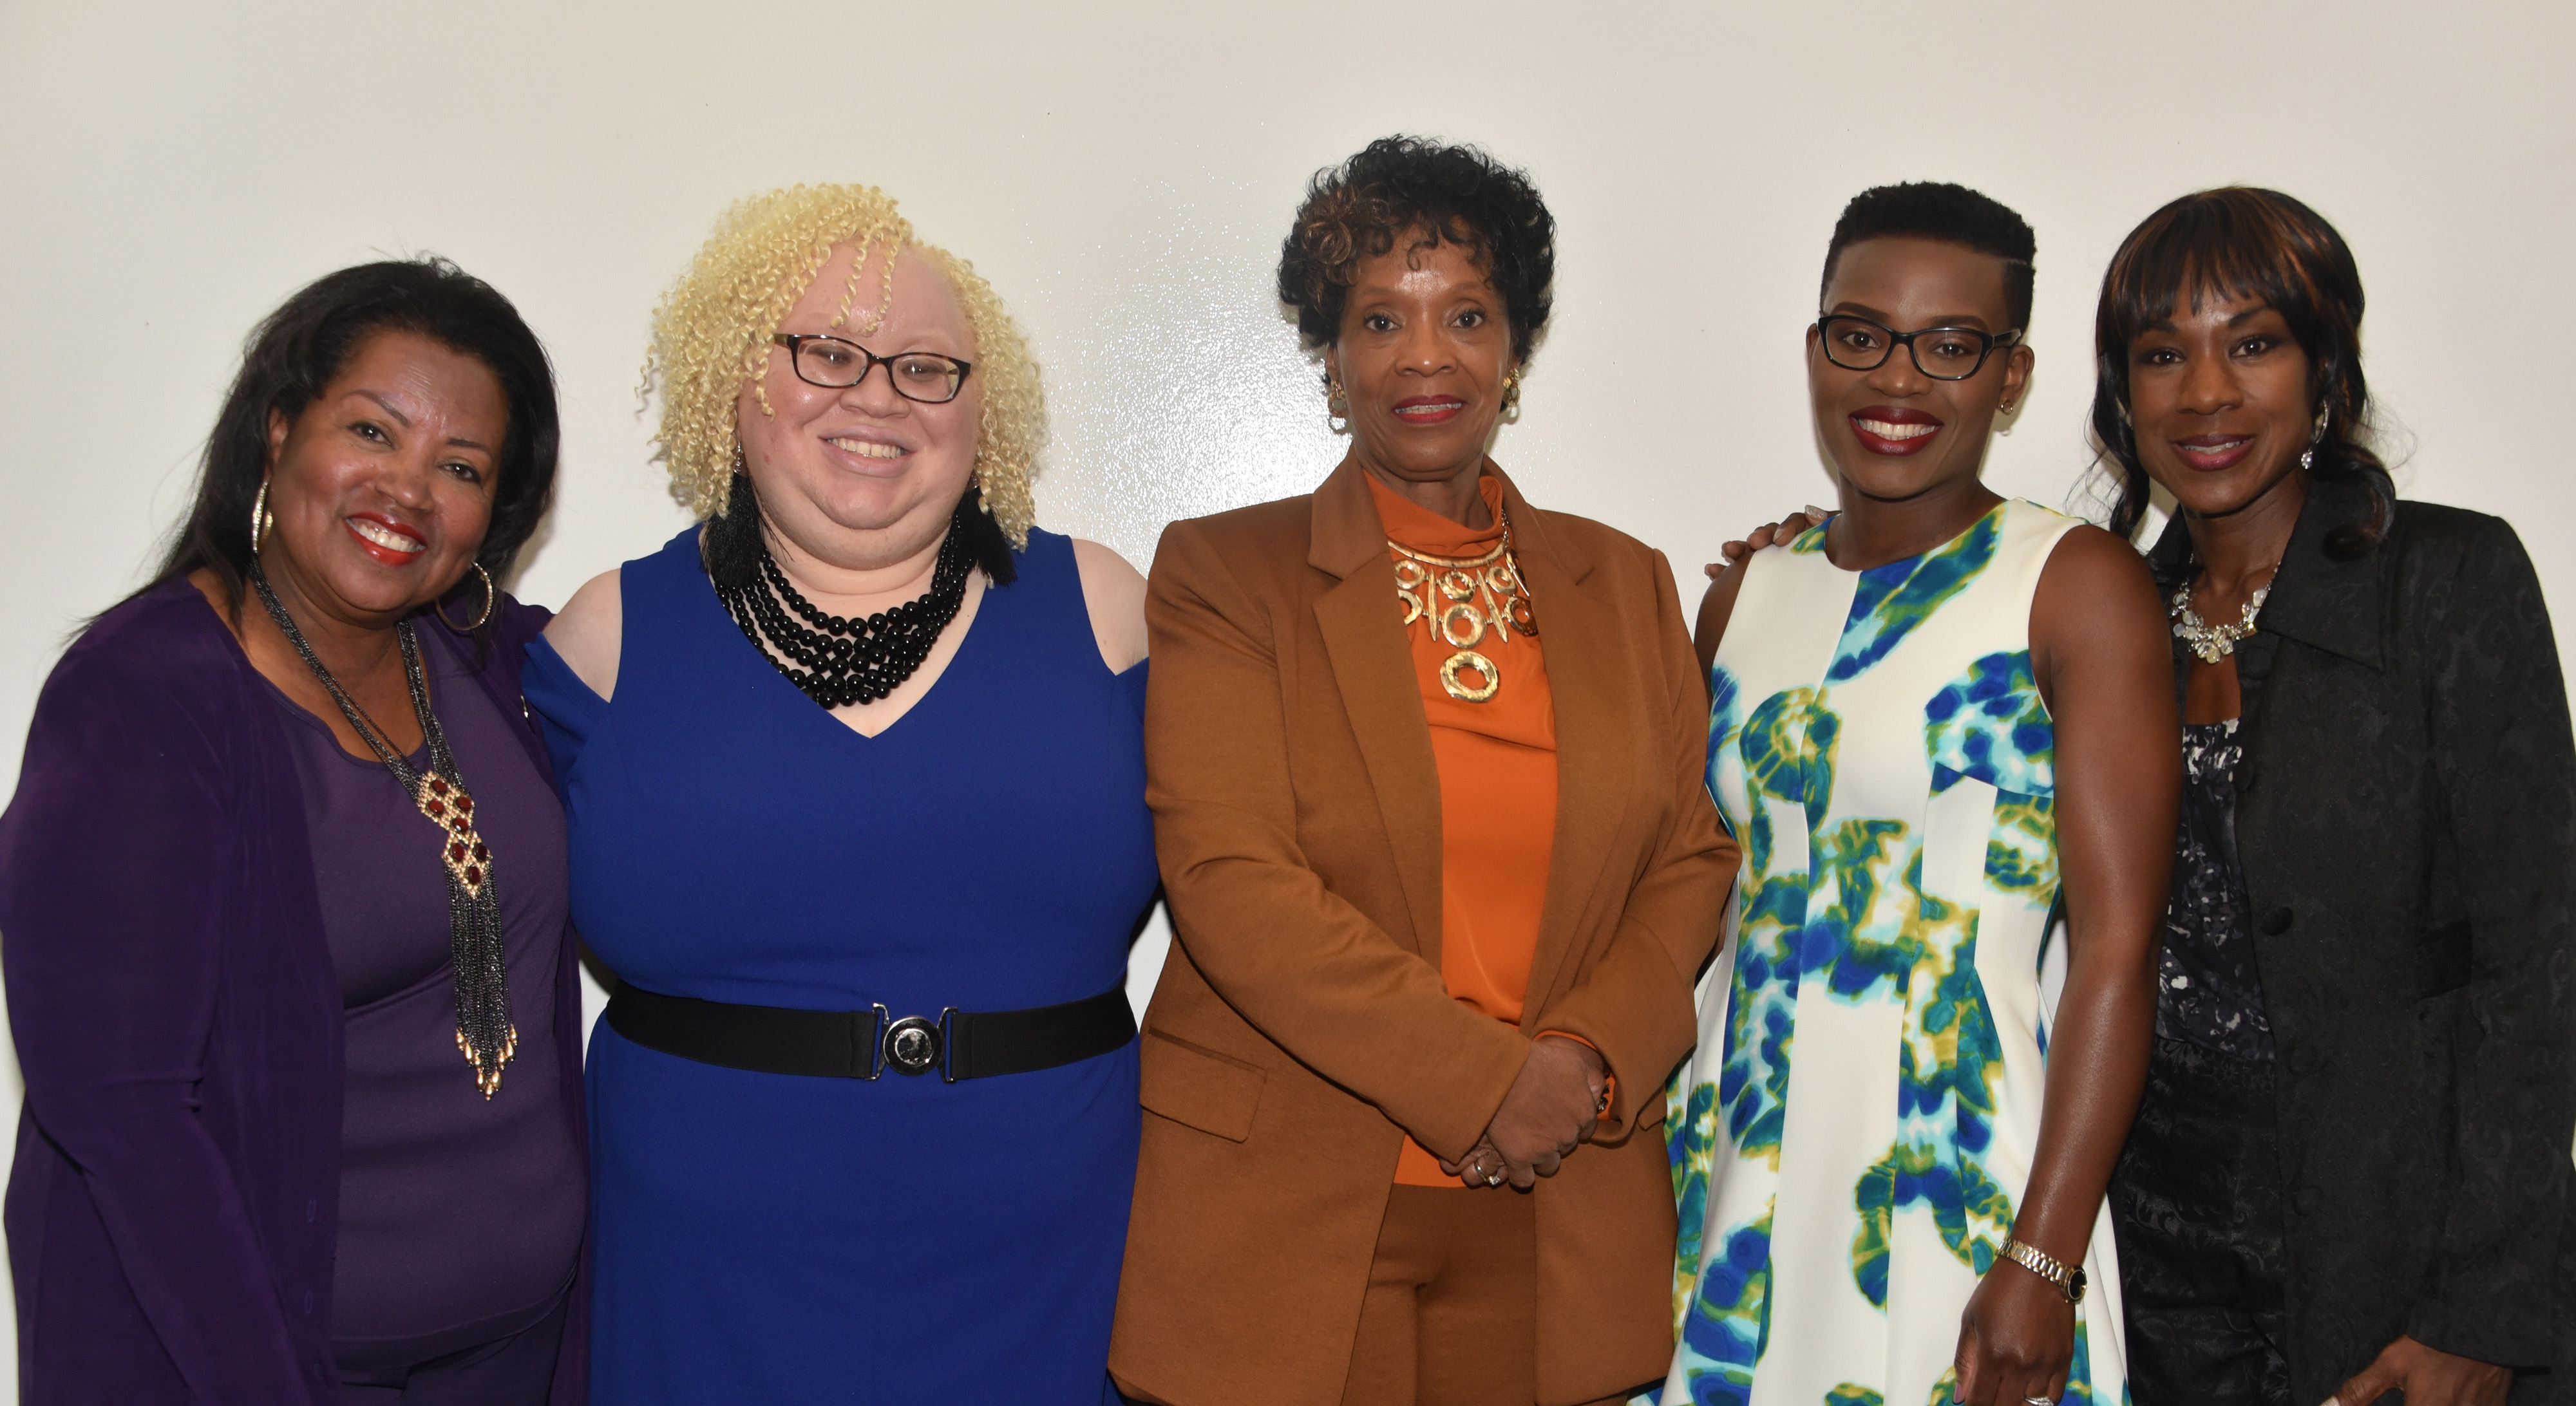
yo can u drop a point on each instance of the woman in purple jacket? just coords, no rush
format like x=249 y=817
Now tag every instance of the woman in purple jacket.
x=287 y=958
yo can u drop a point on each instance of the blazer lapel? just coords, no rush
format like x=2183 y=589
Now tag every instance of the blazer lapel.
x=1373 y=668
x=1578 y=631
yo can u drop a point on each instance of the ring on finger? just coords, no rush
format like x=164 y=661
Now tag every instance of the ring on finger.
x=2038 y=1401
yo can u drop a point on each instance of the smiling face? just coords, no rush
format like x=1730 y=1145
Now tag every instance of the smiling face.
x=382 y=485
x=860 y=476
x=1895 y=433
x=2220 y=400
x=1424 y=350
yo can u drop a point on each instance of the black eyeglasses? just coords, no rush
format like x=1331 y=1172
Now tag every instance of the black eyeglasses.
x=835 y=364
x=1955 y=353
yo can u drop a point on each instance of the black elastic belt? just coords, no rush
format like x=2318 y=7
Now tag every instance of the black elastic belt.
x=863 y=1044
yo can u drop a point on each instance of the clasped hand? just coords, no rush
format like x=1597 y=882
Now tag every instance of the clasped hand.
x=1551 y=1110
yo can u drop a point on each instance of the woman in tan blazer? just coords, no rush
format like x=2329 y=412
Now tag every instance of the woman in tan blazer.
x=1425 y=765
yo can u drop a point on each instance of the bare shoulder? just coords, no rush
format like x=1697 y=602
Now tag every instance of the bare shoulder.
x=588 y=630
x=1716 y=607
x=1114 y=592
x=2091 y=572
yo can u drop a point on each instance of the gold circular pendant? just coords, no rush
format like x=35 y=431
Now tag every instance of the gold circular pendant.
x=1412 y=607
x=1473 y=631
x=1469 y=661
x=1524 y=619
x=1457 y=585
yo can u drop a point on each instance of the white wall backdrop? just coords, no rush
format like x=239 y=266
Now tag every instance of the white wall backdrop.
x=1124 y=174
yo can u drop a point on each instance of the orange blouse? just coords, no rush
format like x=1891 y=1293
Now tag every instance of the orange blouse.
x=1497 y=762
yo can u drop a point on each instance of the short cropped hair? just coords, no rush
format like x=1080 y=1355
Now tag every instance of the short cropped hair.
x=1948 y=213
x=711 y=338
x=1433 y=193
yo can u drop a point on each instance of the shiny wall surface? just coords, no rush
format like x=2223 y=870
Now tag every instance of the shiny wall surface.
x=1124 y=175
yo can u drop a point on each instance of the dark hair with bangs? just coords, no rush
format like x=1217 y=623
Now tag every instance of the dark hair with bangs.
x=294 y=353
x=1438 y=193
x=2242 y=242
x=1950 y=214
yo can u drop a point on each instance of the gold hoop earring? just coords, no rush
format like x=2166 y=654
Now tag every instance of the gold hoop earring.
x=1512 y=394
x=262 y=521
x=1337 y=405
x=491 y=598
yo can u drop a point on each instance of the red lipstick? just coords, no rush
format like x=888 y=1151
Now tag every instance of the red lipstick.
x=1893 y=430
x=384 y=552
x=1429 y=409
x=2213 y=453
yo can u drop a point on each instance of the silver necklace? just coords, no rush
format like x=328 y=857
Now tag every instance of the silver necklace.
x=2213 y=642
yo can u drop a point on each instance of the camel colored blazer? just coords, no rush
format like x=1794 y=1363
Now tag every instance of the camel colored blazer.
x=1301 y=1027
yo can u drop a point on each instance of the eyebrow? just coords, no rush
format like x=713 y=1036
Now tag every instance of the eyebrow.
x=405 y=421
x=1848 y=308
x=2165 y=324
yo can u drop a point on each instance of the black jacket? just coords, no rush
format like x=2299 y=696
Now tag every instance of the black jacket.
x=2406 y=820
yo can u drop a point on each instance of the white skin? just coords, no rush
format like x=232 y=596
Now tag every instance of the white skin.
x=856 y=487
x=382 y=489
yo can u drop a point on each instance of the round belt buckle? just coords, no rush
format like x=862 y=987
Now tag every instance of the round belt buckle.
x=912 y=1045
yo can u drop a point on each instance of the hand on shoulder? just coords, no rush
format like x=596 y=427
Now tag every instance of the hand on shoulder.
x=1115 y=593
x=587 y=632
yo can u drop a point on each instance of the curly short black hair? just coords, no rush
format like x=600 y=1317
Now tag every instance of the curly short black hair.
x=1399 y=186
x=1948 y=213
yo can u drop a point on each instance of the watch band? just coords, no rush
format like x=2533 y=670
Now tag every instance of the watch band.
x=2069 y=1281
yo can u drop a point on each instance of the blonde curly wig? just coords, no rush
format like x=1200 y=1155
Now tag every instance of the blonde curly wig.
x=711 y=335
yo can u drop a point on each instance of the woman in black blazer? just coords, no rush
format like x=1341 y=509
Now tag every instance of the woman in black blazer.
x=2350 y=1173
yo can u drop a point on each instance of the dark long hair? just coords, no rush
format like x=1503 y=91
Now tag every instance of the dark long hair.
x=299 y=348
x=2242 y=242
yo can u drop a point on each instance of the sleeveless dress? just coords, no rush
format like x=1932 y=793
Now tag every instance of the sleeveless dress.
x=1854 y=1132
x=779 y=1238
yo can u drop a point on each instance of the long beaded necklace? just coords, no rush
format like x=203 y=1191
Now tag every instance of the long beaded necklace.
x=2213 y=642
x=484 y=1032
x=839 y=662
x=1458 y=599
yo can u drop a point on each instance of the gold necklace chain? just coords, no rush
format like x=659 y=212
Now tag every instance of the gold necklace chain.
x=1460 y=599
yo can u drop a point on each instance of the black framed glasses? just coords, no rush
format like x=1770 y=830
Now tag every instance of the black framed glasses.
x=835 y=364
x=1942 y=353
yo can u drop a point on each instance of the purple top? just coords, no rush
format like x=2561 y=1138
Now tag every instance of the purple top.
x=174 y=1207
x=423 y=1155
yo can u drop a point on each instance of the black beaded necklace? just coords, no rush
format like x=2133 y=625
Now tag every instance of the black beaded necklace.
x=484 y=1033
x=839 y=662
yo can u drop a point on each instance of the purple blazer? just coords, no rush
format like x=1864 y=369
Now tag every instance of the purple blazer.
x=173 y=1211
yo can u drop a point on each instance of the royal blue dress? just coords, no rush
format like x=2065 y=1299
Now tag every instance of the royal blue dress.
x=781 y=1238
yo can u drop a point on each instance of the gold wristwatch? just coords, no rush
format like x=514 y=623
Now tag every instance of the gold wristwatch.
x=2069 y=1279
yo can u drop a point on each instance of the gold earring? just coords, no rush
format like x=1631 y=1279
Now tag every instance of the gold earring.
x=491 y=598
x=1512 y=392
x=262 y=521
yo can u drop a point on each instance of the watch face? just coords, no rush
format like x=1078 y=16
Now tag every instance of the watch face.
x=2075 y=1282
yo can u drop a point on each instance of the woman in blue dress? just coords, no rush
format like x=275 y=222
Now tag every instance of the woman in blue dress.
x=855 y=782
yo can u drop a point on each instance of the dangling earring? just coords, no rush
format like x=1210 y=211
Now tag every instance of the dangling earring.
x=2308 y=456
x=1337 y=405
x=491 y=598
x=1512 y=395
x=262 y=521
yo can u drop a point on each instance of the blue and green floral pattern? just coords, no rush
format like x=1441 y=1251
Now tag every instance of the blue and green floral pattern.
x=1849 y=1141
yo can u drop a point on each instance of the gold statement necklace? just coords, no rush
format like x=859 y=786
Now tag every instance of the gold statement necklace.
x=1459 y=600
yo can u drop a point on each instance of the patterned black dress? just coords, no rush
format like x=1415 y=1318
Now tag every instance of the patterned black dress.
x=2196 y=1201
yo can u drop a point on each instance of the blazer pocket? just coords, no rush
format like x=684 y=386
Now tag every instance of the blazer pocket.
x=1206 y=1090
